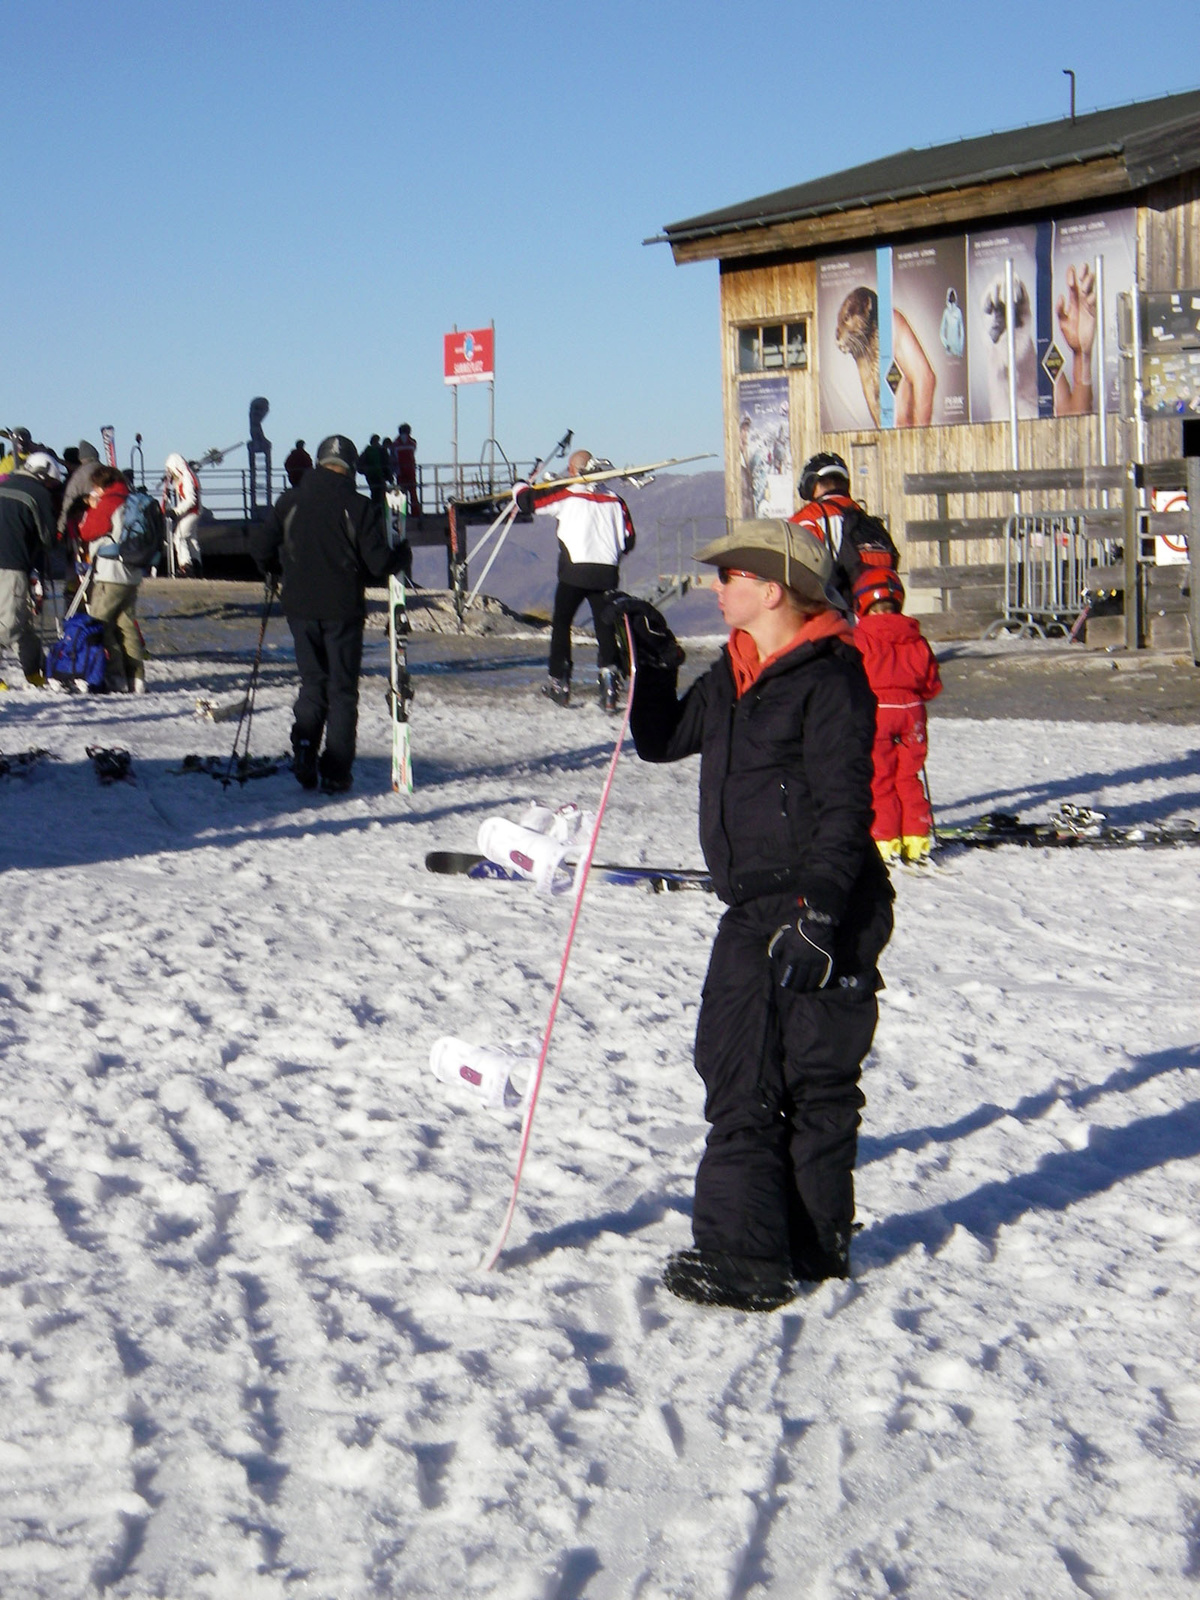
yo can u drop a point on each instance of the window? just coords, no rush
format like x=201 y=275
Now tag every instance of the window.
x=772 y=346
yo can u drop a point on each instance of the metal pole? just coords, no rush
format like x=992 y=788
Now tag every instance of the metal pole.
x=492 y=415
x=1132 y=545
x=1011 y=335
x=1139 y=393
x=1193 y=514
x=1100 y=376
x=457 y=484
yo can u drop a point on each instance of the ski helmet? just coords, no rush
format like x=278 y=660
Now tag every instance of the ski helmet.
x=825 y=464
x=874 y=584
x=41 y=464
x=337 y=451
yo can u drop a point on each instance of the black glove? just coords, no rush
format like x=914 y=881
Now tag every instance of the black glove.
x=655 y=644
x=803 y=951
x=524 y=496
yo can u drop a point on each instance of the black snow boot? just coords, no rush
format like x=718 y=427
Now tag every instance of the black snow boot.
x=304 y=764
x=744 y=1283
x=815 y=1262
x=558 y=690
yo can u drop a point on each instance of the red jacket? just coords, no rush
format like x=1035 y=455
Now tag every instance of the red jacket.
x=98 y=521
x=897 y=656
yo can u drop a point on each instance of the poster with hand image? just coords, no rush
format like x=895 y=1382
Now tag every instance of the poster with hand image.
x=929 y=353
x=765 y=486
x=848 y=343
x=1073 y=357
x=987 y=322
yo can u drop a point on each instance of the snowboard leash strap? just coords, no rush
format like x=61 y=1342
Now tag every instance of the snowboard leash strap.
x=585 y=866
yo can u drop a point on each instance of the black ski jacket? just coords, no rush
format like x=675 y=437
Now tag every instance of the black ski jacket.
x=785 y=783
x=26 y=522
x=329 y=542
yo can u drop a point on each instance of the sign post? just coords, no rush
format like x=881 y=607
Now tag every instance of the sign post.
x=469 y=357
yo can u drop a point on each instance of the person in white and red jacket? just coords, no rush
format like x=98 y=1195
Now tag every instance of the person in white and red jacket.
x=594 y=531
x=181 y=504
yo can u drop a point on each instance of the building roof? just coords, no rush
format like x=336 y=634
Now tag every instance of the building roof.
x=1135 y=145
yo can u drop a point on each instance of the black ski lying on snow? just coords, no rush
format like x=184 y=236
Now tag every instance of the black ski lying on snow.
x=462 y=863
x=1071 y=827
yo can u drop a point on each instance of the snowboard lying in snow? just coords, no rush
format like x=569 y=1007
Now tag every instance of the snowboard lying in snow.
x=462 y=863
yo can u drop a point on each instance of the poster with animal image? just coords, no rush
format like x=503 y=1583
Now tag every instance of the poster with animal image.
x=848 y=342
x=1072 y=359
x=987 y=325
x=765 y=487
x=929 y=374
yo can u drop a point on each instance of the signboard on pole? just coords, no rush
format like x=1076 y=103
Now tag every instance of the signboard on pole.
x=469 y=357
x=108 y=438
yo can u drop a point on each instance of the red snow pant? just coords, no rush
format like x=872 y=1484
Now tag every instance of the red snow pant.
x=901 y=808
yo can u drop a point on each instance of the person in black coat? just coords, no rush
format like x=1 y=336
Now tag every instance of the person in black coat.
x=328 y=542
x=27 y=516
x=783 y=724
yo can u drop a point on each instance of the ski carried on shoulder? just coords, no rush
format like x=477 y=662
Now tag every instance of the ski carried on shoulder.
x=466 y=864
x=1071 y=827
x=635 y=475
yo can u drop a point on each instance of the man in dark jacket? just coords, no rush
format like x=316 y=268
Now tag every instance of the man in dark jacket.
x=27 y=515
x=784 y=724
x=328 y=542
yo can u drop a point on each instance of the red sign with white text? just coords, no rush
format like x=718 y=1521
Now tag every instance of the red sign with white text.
x=469 y=356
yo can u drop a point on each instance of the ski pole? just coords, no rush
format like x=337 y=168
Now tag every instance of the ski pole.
x=247 y=712
x=933 y=833
x=585 y=867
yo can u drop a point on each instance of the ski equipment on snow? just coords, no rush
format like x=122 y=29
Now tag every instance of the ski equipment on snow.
x=111 y=765
x=239 y=756
x=245 y=768
x=466 y=864
x=1071 y=827
x=22 y=762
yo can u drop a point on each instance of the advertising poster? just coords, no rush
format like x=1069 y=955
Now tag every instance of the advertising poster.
x=987 y=325
x=848 y=344
x=929 y=372
x=469 y=357
x=765 y=486
x=1072 y=358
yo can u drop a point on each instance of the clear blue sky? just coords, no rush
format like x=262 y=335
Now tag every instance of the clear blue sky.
x=212 y=201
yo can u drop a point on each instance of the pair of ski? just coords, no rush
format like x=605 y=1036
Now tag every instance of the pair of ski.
x=400 y=690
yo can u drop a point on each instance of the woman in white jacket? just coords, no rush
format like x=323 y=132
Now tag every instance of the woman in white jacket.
x=181 y=503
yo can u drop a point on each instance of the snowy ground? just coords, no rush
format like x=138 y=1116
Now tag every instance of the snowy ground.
x=245 y=1348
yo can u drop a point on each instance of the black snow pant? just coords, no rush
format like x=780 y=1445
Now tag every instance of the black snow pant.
x=329 y=655
x=781 y=1074
x=577 y=583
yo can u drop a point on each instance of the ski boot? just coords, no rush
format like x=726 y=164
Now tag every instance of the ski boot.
x=558 y=690
x=712 y=1278
x=608 y=683
x=916 y=849
x=304 y=764
x=891 y=850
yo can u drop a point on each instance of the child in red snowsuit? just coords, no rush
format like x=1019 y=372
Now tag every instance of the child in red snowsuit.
x=903 y=672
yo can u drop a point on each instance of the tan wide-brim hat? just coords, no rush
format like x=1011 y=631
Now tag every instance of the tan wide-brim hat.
x=782 y=552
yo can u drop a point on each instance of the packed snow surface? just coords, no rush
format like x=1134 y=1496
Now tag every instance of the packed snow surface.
x=247 y=1351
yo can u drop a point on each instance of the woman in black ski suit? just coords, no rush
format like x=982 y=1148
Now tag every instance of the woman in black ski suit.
x=783 y=723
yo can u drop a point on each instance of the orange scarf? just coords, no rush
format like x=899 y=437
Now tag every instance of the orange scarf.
x=743 y=652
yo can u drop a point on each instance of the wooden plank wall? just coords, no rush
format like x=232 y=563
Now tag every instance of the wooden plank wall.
x=778 y=287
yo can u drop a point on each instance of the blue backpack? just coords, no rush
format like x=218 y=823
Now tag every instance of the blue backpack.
x=143 y=530
x=79 y=656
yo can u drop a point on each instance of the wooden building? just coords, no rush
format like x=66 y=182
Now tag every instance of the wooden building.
x=1112 y=196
